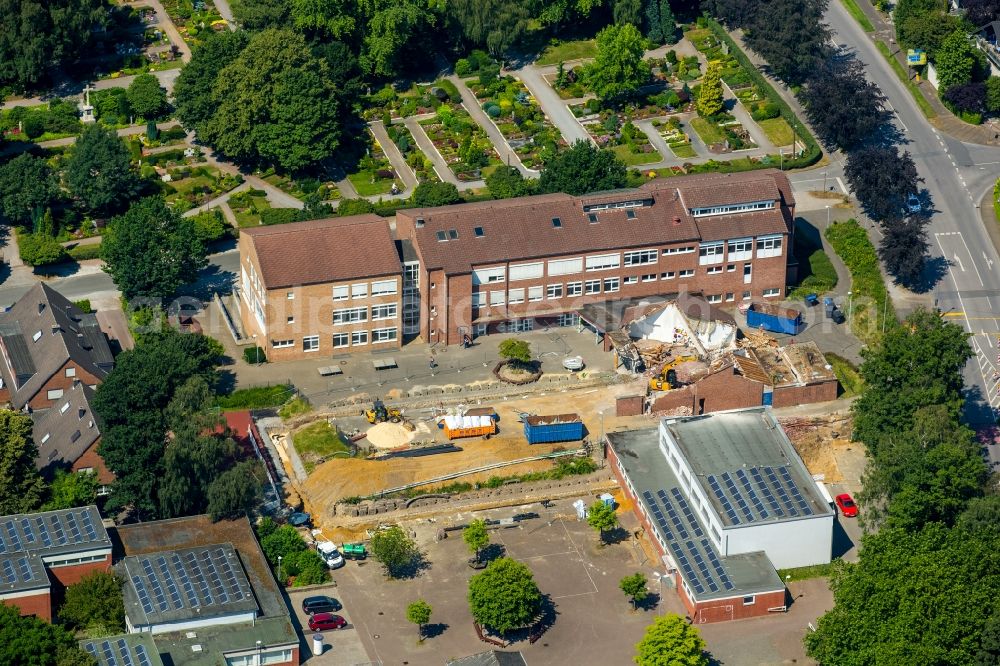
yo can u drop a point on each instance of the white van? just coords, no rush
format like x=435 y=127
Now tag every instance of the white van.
x=328 y=551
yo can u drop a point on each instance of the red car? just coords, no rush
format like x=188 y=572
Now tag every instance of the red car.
x=324 y=621
x=847 y=506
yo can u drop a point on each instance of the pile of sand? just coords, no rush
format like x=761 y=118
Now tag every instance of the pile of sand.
x=389 y=435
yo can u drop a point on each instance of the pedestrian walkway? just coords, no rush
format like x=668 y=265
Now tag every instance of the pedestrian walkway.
x=430 y=150
x=554 y=108
x=164 y=21
x=396 y=159
x=475 y=109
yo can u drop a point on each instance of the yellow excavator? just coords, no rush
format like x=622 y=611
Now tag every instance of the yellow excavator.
x=380 y=413
x=667 y=378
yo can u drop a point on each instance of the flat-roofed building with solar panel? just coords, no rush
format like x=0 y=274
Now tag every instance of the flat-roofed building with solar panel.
x=726 y=500
x=130 y=650
x=204 y=593
x=39 y=550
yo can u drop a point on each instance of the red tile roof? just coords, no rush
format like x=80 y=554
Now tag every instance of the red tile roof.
x=320 y=251
x=522 y=229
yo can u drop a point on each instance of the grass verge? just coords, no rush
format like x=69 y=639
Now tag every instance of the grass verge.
x=847 y=374
x=820 y=275
x=777 y=130
x=316 y=442
x=708 y=131
x=257 y=397
x=996 y=200
x=925 y=106
x=805 y=573
x=575 y=50
x=871 y=308
x=682 y=150
x=635 y=159
x=855 y=10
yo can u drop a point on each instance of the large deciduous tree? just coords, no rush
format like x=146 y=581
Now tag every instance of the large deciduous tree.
x=395 y=550
x=602 y=518
x=917 y=365
x=432 y=194
x=261 y=14
x=194 y=85
x=146 y=97
x=581 y=169
x=71 y=489
x=790 y=35
x=27 y=187
x=31 y=640
x=903 y=248
x=882 y=179
x=21 y=487
x=495 y=24
x=476 y=537
x=98 y=172
x=131 y=402
x=670 y=641
x=618 y=69
x=956 y=60
x=36 y=35
x=504 y=596
x=95 y=603
x=275 y=103
x=419 y=613
x=844 y=108
x=390 y=28
x=324 y=17
x=236 y=491
x=923 y=597
x=507 y=182
x=151 y=250
x=927 y=30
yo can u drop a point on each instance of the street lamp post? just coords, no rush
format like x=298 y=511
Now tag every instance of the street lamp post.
x=827 y=215
x=260 y=657
x=279 y=571
x=824 y=180
x=850 y=306
x=781 y=159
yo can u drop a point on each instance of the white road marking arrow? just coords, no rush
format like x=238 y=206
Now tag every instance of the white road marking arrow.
x=959 y=262
x=989 y=262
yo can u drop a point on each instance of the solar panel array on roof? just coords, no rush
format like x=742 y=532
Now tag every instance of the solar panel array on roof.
x=676 y=521
x=53 y=529
x=117 y=652
x=758 y=495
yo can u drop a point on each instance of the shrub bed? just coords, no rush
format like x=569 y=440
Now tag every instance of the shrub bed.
x=871 y=303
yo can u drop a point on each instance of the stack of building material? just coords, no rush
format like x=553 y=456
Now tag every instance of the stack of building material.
x=756 y=340
x=691 y=371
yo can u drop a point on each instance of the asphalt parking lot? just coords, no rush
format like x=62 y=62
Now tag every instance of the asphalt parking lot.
x=341 y=646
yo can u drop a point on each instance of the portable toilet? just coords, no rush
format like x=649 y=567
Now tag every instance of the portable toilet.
x=608 y=499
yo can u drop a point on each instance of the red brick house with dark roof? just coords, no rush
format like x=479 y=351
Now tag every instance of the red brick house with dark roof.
x=321 y=287
x=506 y=265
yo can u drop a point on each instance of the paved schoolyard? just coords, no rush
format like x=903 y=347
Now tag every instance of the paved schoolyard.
x=341 y=646
x=594 y=623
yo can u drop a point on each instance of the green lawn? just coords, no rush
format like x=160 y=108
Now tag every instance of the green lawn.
x=682 y=150
x=819 y=274
x=257 y=397
x=778 y=131
x=635 y=159
x=316 y=443
x=805 y=573
x=708 y=131
x=362 y=182
x=847 y=374
x=553 y=55
x=904 y=76
x=854 y=10
x=248 y=217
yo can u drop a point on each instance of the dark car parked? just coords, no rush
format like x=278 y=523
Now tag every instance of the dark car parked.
x=320 y=604
x=324 y=621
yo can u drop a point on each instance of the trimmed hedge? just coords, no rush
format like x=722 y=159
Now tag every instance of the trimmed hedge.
x=84 y=252
x=453 y=95
x=870 y=303
x=812 y=153
x=257 y=397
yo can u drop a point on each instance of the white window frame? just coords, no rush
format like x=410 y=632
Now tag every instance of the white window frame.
x=350 y=316
x=342 y=292
x=669 y=275
x=536 y=293
x=309 y=341
x=732 y=208
x=384 y=288
x=489 y=275
x=341 y=340
x=55 y=394
x=603 y=262
x=641 y=257
x=383 y=335
x=773 y=292
x=714 y=298
x=769 y=246
x=687 y=249
x=290 y=296
x=71 y=372
x=574 y=288
x=687 y=272
x=479 y=299
x=565 y=266
x=711 y=253
x=384 y=311
x=498 y=298
x=554 y=291
x=714 y=270
x=359 y=338
x=282 y=344
x=359 y=290
x=749 y=599
x=631 y=279
x=592 y=287
x=740 y=249
x=612 y=285
x=649 y=277
x=515 y=296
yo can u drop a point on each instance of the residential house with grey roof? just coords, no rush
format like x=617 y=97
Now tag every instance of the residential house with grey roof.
x=68 y=435
x=46 y=345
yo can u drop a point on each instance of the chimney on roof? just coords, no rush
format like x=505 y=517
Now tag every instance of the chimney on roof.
x=41 y=307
